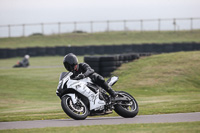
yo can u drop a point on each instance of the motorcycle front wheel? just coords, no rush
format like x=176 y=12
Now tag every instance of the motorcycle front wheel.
x=77 y=111
x=127 y=109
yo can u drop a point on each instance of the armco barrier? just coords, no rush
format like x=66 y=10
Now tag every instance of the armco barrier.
x=105 y=65
x=90 y=50
x=60 y=50
x=98 y=50
x=136 y=48
x=4 y=53
x=70 y=49
x=105 y=49
x=21 y=52
x=11 y=53
x=127 y=48
x=79 y=50
x=196 y=46
x=32 y=51
x=50 y=51
x=187 y=47
x=119 y=49
x=41 y=51
x=166 y=48
x=109 y=49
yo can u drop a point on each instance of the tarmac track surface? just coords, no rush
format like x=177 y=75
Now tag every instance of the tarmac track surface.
x=163 y=118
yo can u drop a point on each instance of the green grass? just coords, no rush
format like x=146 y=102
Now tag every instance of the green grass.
x=185 y=127
x=29 y=93
x=102 y=38
x=165 y=83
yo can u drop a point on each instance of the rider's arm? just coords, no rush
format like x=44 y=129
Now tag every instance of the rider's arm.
x=87 y=70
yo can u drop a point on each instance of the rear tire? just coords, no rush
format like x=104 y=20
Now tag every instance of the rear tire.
x=127 y=111
x=77 y=111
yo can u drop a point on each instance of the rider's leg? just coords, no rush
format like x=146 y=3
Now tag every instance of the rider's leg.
x=99 y=80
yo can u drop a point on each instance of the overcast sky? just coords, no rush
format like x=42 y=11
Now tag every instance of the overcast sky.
x=37 y=11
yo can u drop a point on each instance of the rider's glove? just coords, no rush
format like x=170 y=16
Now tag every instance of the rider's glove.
x=80 y=76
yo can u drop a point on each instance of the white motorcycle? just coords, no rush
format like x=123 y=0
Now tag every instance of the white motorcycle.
x=82 y=98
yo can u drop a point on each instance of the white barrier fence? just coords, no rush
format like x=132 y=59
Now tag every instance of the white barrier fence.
x=174 y=24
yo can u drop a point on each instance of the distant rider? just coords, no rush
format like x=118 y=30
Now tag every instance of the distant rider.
x=24 y=62
x=83 y=70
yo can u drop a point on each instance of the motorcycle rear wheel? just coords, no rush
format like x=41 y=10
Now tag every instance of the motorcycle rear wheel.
x=77 y=111
x=127 y=109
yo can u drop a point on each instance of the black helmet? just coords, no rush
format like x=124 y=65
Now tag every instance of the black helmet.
x=70 y=61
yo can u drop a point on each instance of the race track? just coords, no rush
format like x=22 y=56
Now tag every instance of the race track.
x=163 y=118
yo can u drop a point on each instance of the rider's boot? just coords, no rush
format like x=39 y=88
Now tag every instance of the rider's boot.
x=112 y=93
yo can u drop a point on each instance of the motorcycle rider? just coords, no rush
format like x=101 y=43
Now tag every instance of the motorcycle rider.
x=24 y=62
x=83 y=70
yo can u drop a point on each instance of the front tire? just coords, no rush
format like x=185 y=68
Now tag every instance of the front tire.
x=126 y=109
x=77 y=111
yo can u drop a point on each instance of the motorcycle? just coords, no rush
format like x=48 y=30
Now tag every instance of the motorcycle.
x=82 y=98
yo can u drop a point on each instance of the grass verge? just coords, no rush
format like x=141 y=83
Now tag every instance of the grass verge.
x=185 y=127
x=102 y=38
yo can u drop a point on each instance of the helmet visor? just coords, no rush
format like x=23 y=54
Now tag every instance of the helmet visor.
x=69 y=67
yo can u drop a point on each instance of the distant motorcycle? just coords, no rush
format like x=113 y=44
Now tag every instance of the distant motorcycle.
x=23 y=63
x=82 y=98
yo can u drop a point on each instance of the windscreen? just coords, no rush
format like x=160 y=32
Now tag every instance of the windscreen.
x=62 y=75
